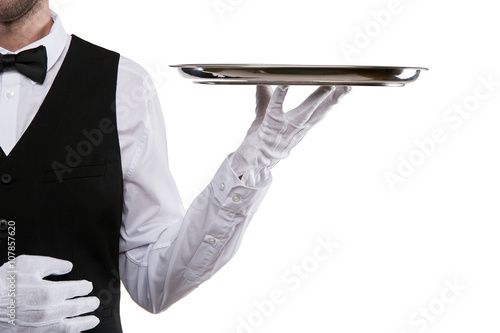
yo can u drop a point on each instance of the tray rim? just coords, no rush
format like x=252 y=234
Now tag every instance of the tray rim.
x=300 y=83
x=257 y=65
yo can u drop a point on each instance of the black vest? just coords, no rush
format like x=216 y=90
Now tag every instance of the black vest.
x=62 y=184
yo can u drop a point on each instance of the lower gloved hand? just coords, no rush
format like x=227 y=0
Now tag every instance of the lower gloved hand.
x=274 y=133
x=43 y=306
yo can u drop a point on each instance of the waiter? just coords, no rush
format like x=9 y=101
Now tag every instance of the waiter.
x=86 y=195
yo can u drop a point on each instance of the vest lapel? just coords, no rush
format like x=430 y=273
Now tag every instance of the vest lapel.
x=40 y=119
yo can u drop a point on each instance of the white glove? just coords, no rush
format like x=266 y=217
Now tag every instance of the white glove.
x=274 y=133
x=42 y=306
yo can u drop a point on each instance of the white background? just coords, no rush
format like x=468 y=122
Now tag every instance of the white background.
x=399 y=246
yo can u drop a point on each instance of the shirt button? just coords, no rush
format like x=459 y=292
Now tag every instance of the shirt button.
x=211 y=240
x=10 y=94
x=236 y=198
x=3 y=224
x=5 y=178
x=222 y=186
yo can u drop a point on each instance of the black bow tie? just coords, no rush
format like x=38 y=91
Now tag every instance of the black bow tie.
x=32 y=63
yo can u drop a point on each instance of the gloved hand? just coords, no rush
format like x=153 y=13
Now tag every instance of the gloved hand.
x=43 y=306
x=274 y=133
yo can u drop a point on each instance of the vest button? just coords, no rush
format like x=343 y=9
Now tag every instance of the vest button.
x=3 y=224
x=6 y=178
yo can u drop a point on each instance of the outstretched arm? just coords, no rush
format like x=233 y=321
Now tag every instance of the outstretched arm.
x=166 y=253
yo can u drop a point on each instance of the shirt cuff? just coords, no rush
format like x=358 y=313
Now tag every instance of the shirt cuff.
x=234 y=195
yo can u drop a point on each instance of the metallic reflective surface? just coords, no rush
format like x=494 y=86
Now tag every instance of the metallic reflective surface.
x=265 y=74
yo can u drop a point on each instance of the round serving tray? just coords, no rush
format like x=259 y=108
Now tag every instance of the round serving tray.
x=268 y=74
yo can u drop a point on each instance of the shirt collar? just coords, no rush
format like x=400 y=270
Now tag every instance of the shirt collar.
x=55 y=42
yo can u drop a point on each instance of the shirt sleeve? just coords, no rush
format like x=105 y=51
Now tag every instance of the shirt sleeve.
x=166 y=252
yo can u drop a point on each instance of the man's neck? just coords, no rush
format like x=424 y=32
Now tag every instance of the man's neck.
x=28 y=29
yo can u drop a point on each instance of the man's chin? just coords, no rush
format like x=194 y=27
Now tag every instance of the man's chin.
x=18 y=11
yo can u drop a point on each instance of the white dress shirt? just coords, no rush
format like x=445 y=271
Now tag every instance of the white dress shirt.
x=165 y=252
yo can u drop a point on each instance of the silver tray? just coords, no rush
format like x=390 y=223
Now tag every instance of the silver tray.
x=267 y=74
